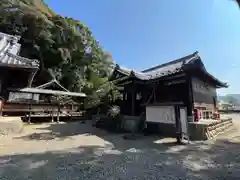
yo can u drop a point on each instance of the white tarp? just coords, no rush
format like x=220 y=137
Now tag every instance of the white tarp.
x=160 y=114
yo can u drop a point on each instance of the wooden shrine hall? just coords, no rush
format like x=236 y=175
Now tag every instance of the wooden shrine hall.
x=16 y=77
x=184 y=82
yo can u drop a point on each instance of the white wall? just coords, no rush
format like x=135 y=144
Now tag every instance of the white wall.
x=160 y=114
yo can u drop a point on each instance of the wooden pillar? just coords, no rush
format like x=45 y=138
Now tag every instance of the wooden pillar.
x=58 y=111
x=154 y=93
x=52 y=113
x=133 y=103
x=178 y=123
x=1 y=106
x=30 y=109
x=29 y=115
x=123 y=103
x=190 y=100
x=1 y=97
x=1 y=81
x=133 y=98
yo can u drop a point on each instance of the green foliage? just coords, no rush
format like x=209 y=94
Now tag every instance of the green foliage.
x=238 y=2
x=114 y=111
x=107 y=93
x=231 y=100
x=65 y=47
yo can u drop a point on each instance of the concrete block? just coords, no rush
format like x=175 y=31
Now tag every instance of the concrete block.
x=10 y=125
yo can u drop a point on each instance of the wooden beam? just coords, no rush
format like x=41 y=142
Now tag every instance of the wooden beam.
x=133 y=103
x=165 y=78
x=52 y=114
x=31 y=77
x=190 y=101
x=30 y=108
x=29 y=115
x=1 y=107
x=133 y=98
x=154 y=96
x=58 y=112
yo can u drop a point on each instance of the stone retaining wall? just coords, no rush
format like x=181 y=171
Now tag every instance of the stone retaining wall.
x=205 y=131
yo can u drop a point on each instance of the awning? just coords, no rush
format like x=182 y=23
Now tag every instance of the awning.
x=51 y=92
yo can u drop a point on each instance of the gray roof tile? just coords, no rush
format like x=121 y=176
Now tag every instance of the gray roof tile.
x=9 y=49
x=161 y=70
x=170 y=68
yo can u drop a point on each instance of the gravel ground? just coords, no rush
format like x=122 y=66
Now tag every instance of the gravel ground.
x=78 y=151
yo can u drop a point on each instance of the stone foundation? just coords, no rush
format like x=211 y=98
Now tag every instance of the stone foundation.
x=208 y=129
x=130 y=123
x=161 y=129
x=10 y=125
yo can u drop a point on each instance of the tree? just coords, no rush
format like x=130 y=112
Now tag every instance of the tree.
x=64 y=46
x=238 y=1
x=231 y=100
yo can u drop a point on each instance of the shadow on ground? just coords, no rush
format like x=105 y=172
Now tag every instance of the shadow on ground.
x=95 y=162
x=143 y=158
x=64 y=131
x=61 y=130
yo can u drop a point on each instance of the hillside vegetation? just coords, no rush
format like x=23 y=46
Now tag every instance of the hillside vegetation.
x=65 y=47
x=230 y=98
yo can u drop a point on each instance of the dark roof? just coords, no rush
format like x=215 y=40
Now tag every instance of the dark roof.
x=173 y=65
x=165 y=69
x=169 y=68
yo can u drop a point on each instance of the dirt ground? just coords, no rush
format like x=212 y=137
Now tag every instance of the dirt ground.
x=79 y=151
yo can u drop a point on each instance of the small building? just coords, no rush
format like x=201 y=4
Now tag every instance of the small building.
x=15 y=71
x=16 y=77
x=168 y=93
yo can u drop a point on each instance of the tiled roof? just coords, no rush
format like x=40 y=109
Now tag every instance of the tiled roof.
x=129 y=72
x=54 y=81
x=170 y=68
x=9 y=49
x=161 y=70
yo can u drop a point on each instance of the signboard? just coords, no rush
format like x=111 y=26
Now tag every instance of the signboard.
x=160 y=114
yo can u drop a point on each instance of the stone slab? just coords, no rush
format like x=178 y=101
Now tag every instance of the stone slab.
x=10 y=125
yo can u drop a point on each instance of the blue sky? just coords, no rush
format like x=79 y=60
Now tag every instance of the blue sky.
x=142 y=33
